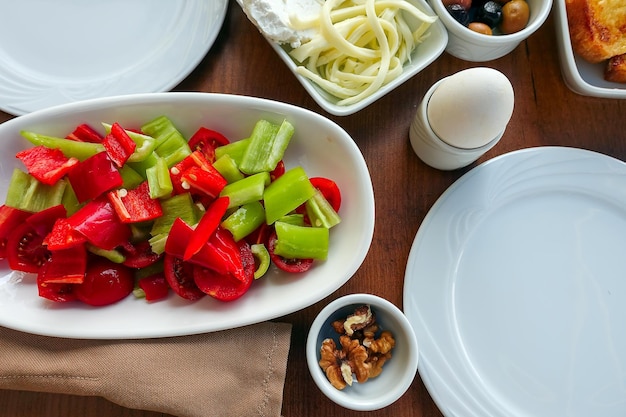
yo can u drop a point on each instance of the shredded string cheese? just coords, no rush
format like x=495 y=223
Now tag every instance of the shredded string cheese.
x=361 y=45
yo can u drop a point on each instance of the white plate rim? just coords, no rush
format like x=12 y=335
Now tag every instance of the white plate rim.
x=21 y=93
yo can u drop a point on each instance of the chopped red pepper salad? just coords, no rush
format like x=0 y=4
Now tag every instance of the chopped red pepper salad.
x=145 y=211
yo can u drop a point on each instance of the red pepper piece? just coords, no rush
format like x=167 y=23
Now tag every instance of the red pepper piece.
x=223 y=243
x=10 y=219
x=85 y=133
x=206 y=227
x=224 y=287
x=98 y=222
x=45 y=164
x=206 y=140
x=209 y=256
x=206 y=181
x=118 y=145
x=176 y=175
x=94 y=176
x=133 y=206
x=65 y=266
x=63 y=236
x=155 y=286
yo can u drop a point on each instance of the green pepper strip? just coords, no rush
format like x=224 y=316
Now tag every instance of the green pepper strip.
x=246 y=190
x=227 y=166
x=159 y=179
x=320 y=212
x=301 y=242
x=170 y=143
x=70 y=148
x=180 y=205
x=234 y=149
x=245 y=220
x=286 y=193
x=262 y=258
x=267 y=146
x=28 y=194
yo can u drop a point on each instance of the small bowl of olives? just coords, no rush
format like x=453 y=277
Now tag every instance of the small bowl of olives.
x=484 y=30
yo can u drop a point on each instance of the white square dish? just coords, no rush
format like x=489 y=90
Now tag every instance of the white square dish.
x=432 y=47
x=579 y=75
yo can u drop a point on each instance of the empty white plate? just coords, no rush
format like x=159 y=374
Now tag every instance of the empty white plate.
x=516 y=288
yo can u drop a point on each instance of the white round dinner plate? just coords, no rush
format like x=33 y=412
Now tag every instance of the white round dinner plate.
x=516 y=287
x=56 y=52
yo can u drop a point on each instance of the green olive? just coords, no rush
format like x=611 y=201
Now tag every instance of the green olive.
x=515 y=15
x=480 y=28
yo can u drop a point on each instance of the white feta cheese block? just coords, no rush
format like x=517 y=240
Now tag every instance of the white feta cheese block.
x=271 y=17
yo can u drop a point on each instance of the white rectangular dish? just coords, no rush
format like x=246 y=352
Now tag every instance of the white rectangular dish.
x=579 y=75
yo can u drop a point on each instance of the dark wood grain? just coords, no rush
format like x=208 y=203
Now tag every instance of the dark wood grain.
x=546 y=113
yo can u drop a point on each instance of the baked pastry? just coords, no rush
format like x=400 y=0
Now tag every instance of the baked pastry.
x=615 y=70
x=597 y=28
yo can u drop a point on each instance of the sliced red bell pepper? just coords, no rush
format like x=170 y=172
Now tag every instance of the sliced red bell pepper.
x=65 y=266
x=206 y=181
x=85 y=133
x=46 y=164
x=213 y=255
x=119 y=145
x=98 y=222
x=196 y=159
x=206 y=140
x=154 y=286
x=206 y=227
x=63 y=236
x=94 y=176
x=10 y=219
x=133 y=206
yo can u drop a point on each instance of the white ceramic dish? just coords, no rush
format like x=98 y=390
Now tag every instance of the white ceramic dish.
x=423 y=56
x=515 y=287
x=94 y=49
x=320 y=146
x=398 y=372
x=468 y=45
x=579 y=75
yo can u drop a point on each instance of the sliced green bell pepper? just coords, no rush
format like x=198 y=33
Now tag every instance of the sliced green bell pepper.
x=301 y=242
x=286 y=193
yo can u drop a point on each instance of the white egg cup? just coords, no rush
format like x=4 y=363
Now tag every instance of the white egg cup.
x=434 y=151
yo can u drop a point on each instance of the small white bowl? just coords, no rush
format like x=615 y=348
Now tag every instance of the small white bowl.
x=580 y=76
x=468 y=45
x=429 y=50
x=398 y=372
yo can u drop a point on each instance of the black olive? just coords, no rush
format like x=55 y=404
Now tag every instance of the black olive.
x=490 y=14
x=459 y=13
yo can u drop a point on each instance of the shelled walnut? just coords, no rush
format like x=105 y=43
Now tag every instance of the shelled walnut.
x=362 y=350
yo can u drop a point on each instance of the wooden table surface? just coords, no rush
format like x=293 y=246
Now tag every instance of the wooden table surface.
x=546 y=113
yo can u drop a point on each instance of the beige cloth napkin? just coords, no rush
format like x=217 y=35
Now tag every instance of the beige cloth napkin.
x=238 y=372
